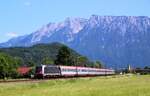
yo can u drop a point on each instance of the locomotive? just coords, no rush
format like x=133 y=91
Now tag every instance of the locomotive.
x=43 y=71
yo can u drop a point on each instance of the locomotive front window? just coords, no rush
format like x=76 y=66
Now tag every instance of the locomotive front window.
x=51 y=70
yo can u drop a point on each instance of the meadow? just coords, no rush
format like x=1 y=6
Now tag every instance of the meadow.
x=132 y=85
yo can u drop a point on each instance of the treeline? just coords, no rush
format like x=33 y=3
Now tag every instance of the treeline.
x=37 y=54
x=64 y=57
x=47 y=54
x=55 y=53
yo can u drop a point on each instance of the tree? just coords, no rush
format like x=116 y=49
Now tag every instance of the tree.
x=31 y=63
x=3 y=67
x=8 y=66
x=98 y=64
x=82 y=61
x=146 y=67
x=31 y=73
x=47 y=60
x=64 y=57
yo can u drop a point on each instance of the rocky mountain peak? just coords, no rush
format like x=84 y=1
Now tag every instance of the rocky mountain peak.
x=117 y=40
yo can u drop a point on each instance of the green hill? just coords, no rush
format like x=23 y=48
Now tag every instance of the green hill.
x=36 y=54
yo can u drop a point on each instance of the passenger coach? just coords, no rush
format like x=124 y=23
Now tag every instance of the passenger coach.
x=69 y=71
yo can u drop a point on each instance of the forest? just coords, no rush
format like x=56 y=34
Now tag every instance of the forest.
x=54 y=53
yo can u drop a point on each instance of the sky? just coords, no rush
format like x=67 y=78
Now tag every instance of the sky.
x=20 y=17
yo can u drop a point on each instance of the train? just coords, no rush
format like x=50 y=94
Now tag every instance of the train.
x=44 y=71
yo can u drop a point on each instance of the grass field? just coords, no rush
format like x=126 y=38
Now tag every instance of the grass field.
x=97 y=86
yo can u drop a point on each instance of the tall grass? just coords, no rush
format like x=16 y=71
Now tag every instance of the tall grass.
x=97 y=86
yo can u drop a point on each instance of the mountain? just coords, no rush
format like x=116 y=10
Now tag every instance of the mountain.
x=36 y=54
x=52 y=32
x=115 y=40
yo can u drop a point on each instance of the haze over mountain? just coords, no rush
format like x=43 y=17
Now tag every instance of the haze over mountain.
x=116 y=40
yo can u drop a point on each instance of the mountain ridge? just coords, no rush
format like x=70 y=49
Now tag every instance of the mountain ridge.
x=116 y=40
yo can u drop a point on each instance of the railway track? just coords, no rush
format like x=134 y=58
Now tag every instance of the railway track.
x=25 y=80
x=39 y=80
x=33 y=80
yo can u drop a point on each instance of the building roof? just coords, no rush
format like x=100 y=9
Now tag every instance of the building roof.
x=23 y=70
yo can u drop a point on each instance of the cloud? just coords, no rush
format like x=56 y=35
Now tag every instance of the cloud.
x=12 y=34
x=27 y=3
